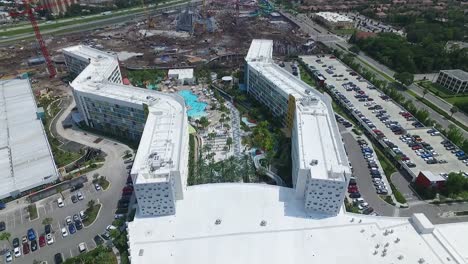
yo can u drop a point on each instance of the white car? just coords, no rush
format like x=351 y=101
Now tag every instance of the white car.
x=82 y=247
x=60 y=202
x=97 y=186
x=8 y=256
x=17 y=252
x=362 y=206
x=110 y=227
x=64 y=232
x=50 y=239
x=80 y=196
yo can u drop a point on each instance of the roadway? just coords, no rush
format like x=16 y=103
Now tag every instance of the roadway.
x=85 y=26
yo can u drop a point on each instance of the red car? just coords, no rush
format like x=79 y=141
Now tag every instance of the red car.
x=25 y=248
x=416 y=147
x=353 y=190
x=127 y=188
x=42 y=241
x=404 y=158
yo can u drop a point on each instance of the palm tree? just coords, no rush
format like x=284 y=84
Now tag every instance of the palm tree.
x=5 y=236
x=425 y=91
x=91 y=203
x=229 y=142
x=47 y=221
x=453 y=110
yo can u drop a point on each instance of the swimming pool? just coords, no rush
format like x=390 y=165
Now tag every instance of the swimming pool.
x=196 y=109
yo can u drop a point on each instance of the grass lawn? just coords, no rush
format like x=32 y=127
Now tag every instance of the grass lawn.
x=104 y=183
x=91 y=214
x=457 y=99
x=436 y=89
x=100 y=255
x=384 y=75
x=32 y=209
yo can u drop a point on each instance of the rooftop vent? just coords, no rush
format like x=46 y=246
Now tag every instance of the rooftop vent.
x=140 y=252
x=400 y=257
x=421 y=260
x=314 y=162
x=218 y=221
x=263 y=223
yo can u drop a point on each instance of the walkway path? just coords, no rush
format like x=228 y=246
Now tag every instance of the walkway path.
x=279 y=181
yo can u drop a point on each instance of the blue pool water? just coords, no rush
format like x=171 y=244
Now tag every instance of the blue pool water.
x=196 y=109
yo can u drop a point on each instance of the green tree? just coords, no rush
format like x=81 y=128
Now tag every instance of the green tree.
x=204 y=122
x=425 y=91
x=455 y=183
x=91 y=203
x=47 y=221
x=453 y=110
x=5 y=236
x=229 y=142
x=405 y=78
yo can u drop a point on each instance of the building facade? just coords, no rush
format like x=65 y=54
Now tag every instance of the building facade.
x=159 y=121
x=320 y=167
x=454 y=80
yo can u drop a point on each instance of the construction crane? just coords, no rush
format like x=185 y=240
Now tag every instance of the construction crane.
x=45 y=52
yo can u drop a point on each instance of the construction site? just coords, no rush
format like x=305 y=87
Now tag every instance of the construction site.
x=212 y=32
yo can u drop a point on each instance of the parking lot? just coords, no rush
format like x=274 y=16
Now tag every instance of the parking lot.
x=388 y=120
x=17 y=224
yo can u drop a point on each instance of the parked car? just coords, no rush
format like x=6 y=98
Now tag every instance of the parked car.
x=34 y=245
x=79 y=225
x=8 y=256
x=2 y=226
x=42 y=241
x=68 y=220
x=17 y=252
x=50 y=239
x=71 y=229
x=47 y=229
x=58 y=258
x=25 y=248
x=64 y=232
x=15 y=242
x=31 y=234
x=76 y=187
x=97 y=187
x=82 y=247
x=60 y=202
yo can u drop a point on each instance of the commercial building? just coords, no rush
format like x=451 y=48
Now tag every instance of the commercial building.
x=257 y=223
x=454 y=80
x=428 y=179
x=320 y=168
x=26 y=160
x=182 y=76
x=158 y=120
x=58 y=7
x=334 y=20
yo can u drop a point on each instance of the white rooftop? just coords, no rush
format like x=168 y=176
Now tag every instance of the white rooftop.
x=159 y=149
x=333 y=17
x=433 y=177
x=181 y=73
x=318 y=134
x=26 y=160
x=320 y=140
x=260 y=49
x=288 y=234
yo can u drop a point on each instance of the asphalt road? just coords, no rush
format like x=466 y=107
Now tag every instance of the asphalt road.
x=85 y=26
x=115 y=172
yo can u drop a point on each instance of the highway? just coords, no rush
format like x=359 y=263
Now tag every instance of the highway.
x=85 y=26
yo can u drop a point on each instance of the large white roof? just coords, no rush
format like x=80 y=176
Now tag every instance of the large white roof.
x=318 y=134
x=289 y=235
x=26 y=160
x=333 y=17
x=159 y=149
x=260 y=49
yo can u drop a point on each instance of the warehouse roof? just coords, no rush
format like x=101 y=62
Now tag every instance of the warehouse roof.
x=26 y=160
x=254 y=223
x=333 y=17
